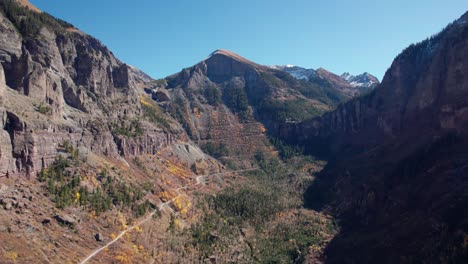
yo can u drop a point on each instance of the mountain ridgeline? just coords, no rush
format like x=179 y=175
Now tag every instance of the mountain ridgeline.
x=346 y=83
x=228 y=160
x=229 y=105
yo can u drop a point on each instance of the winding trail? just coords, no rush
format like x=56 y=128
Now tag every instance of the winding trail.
x=199 y=180
x=94 y=253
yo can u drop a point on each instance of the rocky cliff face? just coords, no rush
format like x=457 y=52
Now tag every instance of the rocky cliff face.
x=398 y=167
x=63 y=85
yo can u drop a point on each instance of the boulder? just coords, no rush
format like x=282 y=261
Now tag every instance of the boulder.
x=65 y=220
x=161 y=95
x=7 y=205
x=98 y=237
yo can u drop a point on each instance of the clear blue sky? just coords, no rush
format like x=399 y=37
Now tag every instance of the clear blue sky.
x=163 y=36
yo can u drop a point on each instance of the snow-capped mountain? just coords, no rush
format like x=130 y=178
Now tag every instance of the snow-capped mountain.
x=297 y=72
x=350 y=84
x=363 y=80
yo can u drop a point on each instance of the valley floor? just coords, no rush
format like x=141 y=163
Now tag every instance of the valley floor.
x=243 y=216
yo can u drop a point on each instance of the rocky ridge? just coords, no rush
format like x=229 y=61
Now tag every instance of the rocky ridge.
x=397 y=164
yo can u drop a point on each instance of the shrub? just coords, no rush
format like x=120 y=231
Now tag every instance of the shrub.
x=132 y=129
x=44 y=109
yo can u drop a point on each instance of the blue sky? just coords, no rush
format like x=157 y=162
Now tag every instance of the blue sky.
x=163 y=36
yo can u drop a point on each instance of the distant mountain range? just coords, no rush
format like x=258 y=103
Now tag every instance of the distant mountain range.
x=349 y=84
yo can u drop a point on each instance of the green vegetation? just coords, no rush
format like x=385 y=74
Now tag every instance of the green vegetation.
x=65 y=184
x=44 y=109
x=288 y=110
x=289 y=242
x=212 y=95
x=28 y=22
x=155 y=115
x=178 y=109
x=236 y=99
x=216 y=150
x=132 y=129
x=247 y=204
x=160 y=82
x=286 y=151
x=271 y=79
x=265 y=207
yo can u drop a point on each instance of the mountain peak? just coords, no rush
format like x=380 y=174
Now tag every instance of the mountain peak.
x=232 y=55
x=365 y=79
x=223 y=52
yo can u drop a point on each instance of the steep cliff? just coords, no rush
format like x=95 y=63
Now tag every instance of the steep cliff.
x=397 y=175
x=63 y=85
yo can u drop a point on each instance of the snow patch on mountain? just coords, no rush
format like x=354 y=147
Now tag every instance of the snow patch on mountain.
x=362 y=80
x=296 y=72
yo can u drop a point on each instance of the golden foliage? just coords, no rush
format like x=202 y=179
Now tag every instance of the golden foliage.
x=10 y=255
x=122 y=220
x=124 y=258
x=182 y=204
x=77 y=197
x=166 y=195
x=177 y=170
x=144 y=100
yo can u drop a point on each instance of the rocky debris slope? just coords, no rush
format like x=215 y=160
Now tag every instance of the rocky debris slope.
x=398 y=164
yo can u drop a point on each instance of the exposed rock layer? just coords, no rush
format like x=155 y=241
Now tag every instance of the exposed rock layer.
x=67 y=87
